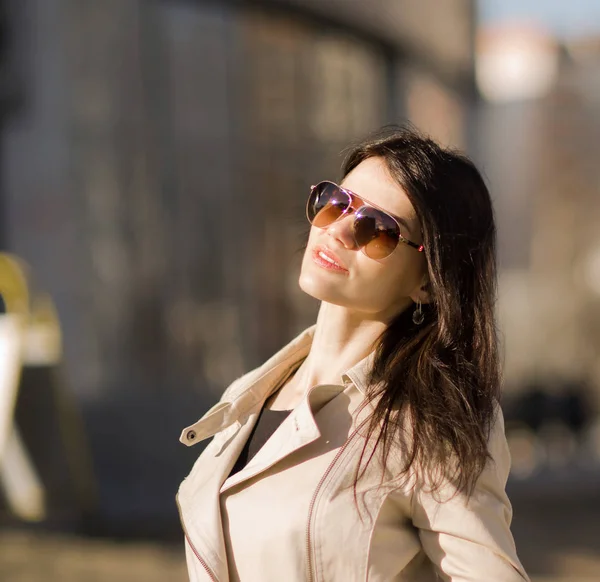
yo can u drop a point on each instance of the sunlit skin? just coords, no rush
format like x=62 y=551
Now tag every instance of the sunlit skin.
x=357 y=303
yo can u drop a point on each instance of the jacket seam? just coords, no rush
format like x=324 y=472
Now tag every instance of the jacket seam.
x=330 y=482
x=205 y=545
x=372 y=533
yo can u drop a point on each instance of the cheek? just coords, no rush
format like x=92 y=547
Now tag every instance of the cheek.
x=401 y=278
x=312 y=235
x=310 y=241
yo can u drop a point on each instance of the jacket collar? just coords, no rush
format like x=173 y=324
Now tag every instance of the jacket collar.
x=292 y=355
x=253 y=388
x=358 y=374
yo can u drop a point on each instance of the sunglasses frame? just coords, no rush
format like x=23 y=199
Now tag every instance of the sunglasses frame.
x=352 y=197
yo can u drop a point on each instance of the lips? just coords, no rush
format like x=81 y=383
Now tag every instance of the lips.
x=327 y=259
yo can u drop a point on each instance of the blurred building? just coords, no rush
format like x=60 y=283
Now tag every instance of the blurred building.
x=156 y=157
x=155 y=176
x=539 y=144
x=538 y=127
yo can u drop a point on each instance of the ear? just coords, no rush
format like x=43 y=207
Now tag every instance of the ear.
x=423 y=292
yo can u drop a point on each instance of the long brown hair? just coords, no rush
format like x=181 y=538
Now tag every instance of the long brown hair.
x=439 y=382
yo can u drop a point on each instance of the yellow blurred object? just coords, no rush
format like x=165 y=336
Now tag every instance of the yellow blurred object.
x=42 y=343
x=13 y=284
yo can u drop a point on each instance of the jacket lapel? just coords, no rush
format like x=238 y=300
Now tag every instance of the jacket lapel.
x=242 y=397
x=297 y=430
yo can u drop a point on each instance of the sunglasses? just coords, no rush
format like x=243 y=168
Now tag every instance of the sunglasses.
x=375 y=232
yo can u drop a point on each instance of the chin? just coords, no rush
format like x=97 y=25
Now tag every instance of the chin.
x=336 y=293
x=310 y=285
x=316 y=287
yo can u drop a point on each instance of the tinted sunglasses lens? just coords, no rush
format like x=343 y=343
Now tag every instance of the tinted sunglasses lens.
x=326 y=204
x=376 y=232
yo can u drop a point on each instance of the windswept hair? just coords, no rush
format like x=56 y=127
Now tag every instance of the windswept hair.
x=435 y=386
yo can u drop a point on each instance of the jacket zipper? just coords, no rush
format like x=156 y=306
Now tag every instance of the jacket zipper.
x=313 y=501
x=202 y=562
x=193 y=548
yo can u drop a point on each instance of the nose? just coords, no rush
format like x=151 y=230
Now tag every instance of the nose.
x=342 y=231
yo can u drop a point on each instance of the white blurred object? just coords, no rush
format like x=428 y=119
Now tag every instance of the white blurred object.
x=20 y=481
x=29 y=335
x=11 y=348
x=515 y=63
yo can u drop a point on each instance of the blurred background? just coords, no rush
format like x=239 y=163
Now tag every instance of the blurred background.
x=155 y=159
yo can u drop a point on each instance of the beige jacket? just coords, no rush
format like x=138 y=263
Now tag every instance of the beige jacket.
x=290 y=514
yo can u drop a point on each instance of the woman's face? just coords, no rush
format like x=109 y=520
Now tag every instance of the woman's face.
x=378 y=289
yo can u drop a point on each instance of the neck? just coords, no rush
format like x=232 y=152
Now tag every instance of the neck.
x=341 y=340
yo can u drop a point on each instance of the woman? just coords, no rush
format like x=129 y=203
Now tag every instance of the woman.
x=372 y=446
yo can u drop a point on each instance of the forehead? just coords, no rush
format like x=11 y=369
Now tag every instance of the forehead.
x=371 y=180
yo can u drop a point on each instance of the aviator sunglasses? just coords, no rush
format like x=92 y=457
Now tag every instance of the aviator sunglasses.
x=375 y=232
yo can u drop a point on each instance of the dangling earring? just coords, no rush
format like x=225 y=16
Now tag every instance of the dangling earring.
x=418 y=315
